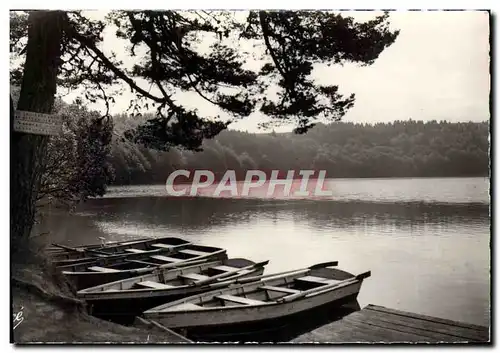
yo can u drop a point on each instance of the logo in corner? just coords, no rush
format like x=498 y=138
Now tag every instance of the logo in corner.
x=18 y=318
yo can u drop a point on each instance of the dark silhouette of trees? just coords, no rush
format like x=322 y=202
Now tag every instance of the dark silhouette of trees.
x=344 y=150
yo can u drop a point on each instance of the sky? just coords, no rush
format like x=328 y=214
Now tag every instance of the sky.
x=437 y=69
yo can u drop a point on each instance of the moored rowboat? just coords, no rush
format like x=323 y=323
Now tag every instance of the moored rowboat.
x=115 y=268
x=125 y=299
x=243 y=311
x=87 y=253
x=57 y=248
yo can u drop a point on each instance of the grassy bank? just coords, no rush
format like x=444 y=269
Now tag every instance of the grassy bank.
x=52 y=314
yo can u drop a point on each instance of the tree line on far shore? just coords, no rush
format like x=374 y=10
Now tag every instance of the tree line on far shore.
x=345 y=150
x=91 y=154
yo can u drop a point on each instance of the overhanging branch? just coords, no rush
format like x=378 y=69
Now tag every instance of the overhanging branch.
x=266 y=33
x=88 y=43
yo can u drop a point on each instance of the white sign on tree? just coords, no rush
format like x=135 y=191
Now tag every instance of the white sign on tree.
x=37 y=123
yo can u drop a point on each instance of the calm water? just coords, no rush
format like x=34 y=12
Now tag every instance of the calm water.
x=426 y=241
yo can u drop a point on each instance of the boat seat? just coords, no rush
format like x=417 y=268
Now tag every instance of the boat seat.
x=316 y=280
x=166 y=258
x=136 y=251
x=193 y=252
x=162 y=246
x=183 y=306
x=280 y=289
x=245 y=272
x=225 y=268
x=194 y=276
x=154 y=285
x=239 y=300
x=102 y=269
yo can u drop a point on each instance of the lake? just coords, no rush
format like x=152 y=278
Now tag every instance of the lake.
x=426 y=241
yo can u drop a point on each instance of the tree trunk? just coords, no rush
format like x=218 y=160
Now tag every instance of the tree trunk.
x=38 y=91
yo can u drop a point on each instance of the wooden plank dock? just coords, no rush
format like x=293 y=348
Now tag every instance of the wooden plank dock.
x=377 y=324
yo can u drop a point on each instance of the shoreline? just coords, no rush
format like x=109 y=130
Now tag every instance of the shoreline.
x=330 y=177
x=52 y=314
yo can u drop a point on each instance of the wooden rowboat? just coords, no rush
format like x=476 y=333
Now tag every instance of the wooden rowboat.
x=115 y=268
x=58 y=248
x=71 y=255
x=123 y=300
x=255 y=306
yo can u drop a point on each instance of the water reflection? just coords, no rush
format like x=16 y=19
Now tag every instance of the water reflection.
x=151 y=216
x=418 y=252
x=202 y=213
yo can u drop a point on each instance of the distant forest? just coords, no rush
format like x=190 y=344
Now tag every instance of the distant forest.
x=399 y=149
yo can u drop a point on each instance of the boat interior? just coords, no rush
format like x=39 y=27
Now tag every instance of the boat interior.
x=152 y=244
x=184 y=276
x=161 y=245
x=132 y=246
x=189 y=253
x=263 y=292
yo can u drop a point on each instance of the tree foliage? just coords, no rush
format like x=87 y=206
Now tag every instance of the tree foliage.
x=176 y=60
x=77 y=161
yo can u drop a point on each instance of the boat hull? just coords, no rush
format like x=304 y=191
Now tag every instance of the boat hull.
x=281 y=329
x=88 y=253
x=82 y=277
x=82 y=280
x=124 y=310
x=267 y=323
